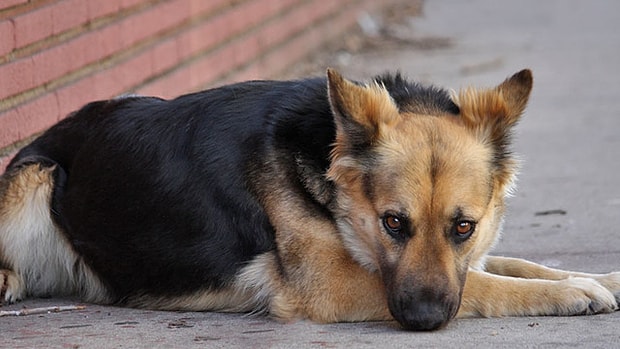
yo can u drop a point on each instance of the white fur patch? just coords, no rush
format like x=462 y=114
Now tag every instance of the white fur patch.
x=359 y=250
x=257 y=279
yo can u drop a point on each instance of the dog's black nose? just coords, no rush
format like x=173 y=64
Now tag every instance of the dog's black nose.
x=423 y=310
x=422 y=317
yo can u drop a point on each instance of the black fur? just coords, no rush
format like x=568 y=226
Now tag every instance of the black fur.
x=415 y=98
x=164 y=197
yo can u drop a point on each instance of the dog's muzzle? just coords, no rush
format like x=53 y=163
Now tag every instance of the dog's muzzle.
x=423 y=309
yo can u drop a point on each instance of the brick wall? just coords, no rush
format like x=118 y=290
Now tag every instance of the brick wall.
x=57 y=55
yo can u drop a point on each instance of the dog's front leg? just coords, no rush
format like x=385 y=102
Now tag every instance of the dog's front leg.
x=322 y=283
x=521 y=268
x=487 y=294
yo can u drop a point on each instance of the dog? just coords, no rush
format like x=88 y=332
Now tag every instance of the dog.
x=322 y=199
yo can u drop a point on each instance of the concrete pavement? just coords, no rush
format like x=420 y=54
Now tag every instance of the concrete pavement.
x=569 y=143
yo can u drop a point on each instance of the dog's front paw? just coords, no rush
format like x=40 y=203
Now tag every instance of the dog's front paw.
x=11 y=287
x=611 y=282
x=579 y=296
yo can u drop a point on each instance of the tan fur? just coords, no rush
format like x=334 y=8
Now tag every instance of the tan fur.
x=487 y=294
x=521 y=287
x=320 y=280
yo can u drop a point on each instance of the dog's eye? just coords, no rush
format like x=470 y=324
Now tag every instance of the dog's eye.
x=394 y=225
x=463 y=229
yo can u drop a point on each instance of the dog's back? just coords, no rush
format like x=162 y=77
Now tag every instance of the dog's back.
x=153 y=195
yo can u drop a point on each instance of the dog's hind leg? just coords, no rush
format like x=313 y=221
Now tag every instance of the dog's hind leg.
x=521 y=268
x=35 y=257
x=11 y=286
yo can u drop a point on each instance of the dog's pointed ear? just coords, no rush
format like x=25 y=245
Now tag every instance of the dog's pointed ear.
x=359 y=113
x=516 y=92
x=502 y=105
x=492 y=113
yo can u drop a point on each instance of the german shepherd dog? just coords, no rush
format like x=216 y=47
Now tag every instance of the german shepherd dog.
x=323 y=199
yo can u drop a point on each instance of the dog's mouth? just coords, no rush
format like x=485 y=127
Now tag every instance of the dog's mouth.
x=423 y=309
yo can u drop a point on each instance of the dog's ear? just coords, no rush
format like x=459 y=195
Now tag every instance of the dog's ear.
x=492 y=113
x=498 y=107
x=516 y=92
x=359 y=111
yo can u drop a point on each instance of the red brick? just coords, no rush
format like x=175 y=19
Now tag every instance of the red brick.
x=276 y=32
x=76 y=95
x=69 y=14
x=131 y=3
x=287 y=54
x=73 y=96
x=222 y=61
x=9 y=132
x=17 y=76
x=199 y=39
x=4 y=161
x=33 y=26
x=102 y=85
x=226 y=25
x=164 y=56
x=28 y=119
x=4 y=4
x=250 y=72
x=200 y=6
x=151 y=21
x=72 y=55
x=292 y=29
x=171 y=14
x=7 y=37
x=253 y=12
x=202 y=37
x=90 y=47
x=51 y=64
x=105 y=84
x=204 y=70
x=212 y=66
x=294 y=22
x=98 y=9
x=246 y=50
x=189 y=76
x=133 y=71
x=37 y=115
x=169 y=86
x=109 y=40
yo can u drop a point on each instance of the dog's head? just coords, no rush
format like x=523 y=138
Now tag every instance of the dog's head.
x=420 y=191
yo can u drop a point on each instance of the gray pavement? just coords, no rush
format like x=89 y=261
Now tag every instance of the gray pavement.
x=569 y=143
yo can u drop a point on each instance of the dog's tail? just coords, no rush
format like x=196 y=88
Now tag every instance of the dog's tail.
x=36 y=255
